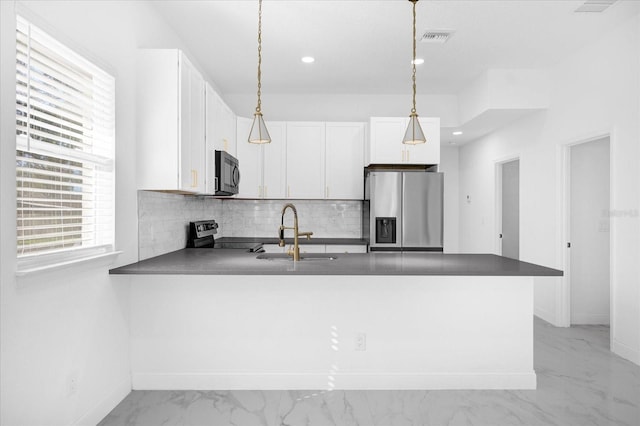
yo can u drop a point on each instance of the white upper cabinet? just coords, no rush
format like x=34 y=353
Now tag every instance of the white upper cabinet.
x=170 y=115
x=250 y=161
x=428 y=152
x=275 y=161
x=220 y=131
x=305 y=160
x=386 y=145
x=221 y=123
x=262 y=167
x=344 y=160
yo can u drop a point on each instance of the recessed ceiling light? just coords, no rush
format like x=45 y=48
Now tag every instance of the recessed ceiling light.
x=308 y=59
x=418 y=61
x=457 y=133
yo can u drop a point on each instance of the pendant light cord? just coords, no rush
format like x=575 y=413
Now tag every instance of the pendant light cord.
x=413 y=110
x=259 y=107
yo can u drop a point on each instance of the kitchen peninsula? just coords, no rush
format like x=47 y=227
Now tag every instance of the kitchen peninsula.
x=224 y=319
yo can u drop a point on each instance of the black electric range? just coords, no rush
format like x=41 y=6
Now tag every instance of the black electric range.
x=201 y=236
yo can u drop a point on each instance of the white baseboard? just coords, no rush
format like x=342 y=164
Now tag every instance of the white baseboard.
x=590 y=319
x=223 y=381
x=546 y=315
x=625 y=351
x=104 y=407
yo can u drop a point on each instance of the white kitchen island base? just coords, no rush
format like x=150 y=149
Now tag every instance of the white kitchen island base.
x=302 y=332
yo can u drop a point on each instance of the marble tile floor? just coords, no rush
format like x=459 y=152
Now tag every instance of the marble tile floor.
x=580 y=383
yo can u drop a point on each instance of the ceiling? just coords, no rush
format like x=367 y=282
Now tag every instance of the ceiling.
x=364 y=47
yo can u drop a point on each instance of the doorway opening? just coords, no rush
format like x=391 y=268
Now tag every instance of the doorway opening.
x=508 y=208
x=588 y=257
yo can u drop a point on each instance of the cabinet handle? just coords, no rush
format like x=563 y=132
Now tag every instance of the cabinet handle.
x=403 y=155
x=265 y=191
x=226 y=144
x=259 y=191
x=194 y=178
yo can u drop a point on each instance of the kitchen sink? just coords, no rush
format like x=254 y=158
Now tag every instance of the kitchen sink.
x=306 y=257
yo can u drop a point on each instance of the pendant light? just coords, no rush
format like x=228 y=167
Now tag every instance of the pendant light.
x=414 y=134
x=259 y=133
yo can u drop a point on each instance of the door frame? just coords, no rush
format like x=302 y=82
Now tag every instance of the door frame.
x=498 y=200
x=563 y=298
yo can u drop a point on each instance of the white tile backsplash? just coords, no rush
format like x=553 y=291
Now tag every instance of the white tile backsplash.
x=261 y=218
x=163 y=219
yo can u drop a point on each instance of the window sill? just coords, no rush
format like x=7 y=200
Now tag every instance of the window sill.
x=107 y=257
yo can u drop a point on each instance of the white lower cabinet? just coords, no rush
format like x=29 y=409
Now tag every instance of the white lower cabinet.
x=304 y=248
x=312 y=248
x=349 y=248
x=273 y=248
x=318 y=248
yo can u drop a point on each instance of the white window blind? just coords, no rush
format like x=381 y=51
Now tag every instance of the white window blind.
x=65 y=127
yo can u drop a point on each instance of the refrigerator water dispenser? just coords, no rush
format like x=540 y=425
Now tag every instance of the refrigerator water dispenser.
x=386 y=230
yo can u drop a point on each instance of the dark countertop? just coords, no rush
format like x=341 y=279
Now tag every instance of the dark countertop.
x=303 y=240
x=239 y=262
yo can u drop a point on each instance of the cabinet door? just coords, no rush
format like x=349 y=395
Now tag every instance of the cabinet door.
x=429 y=152
x=386 y=140
x=348 y=248
x=157 y=119
x=305 y=160
x=250 y=162
x=192 y=128
x=211 y=104
x=312 y=248
x=228 y=122
x=274 y=161
x=344 y=148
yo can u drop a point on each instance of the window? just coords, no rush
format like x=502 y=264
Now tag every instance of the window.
x=65 y=126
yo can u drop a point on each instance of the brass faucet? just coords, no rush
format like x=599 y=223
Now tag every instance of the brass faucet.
x=296 y=248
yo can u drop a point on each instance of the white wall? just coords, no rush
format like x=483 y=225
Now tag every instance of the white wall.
x=344 y=107
x=593 y=92
x=449 y=166
x=73 y=323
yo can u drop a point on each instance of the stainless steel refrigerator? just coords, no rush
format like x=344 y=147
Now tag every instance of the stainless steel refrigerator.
x=404 y=209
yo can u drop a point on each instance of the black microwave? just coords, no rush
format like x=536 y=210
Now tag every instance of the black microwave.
x=227 y=176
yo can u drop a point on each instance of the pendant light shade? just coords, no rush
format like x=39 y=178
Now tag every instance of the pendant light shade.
x=259 y=133
x=414 y=134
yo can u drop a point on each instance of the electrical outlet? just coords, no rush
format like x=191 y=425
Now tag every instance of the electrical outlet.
x=72 y=384
x=361 y=342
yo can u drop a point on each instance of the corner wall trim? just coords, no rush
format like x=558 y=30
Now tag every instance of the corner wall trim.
x=94 y=415
x=625 y=351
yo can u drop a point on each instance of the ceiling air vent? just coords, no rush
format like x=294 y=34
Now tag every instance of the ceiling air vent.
x=436 y=36
x=595 y=6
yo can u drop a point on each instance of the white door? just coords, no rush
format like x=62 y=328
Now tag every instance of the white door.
x=511 y=209
x=305 y=160
x=589 y=232
x=345 y=161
